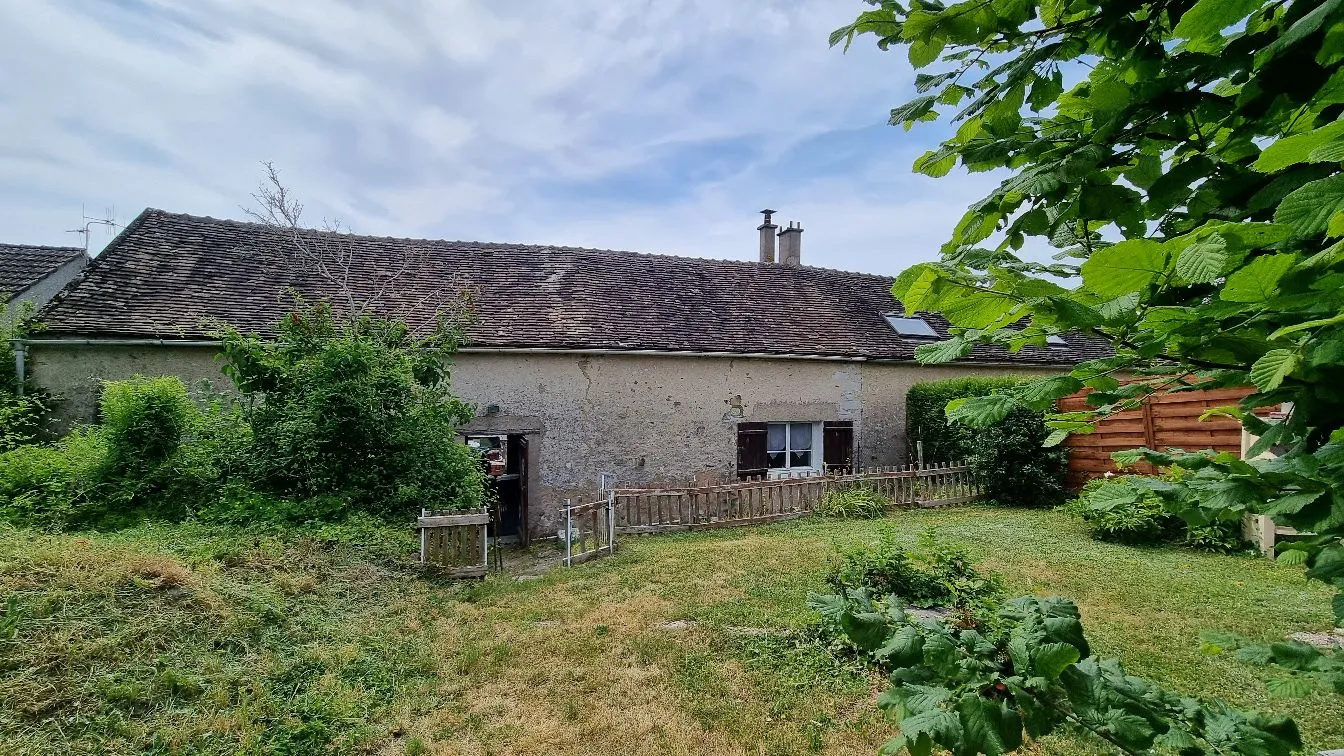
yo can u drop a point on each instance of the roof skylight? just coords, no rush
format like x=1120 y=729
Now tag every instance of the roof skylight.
x=906 y=326
x=1056 y=341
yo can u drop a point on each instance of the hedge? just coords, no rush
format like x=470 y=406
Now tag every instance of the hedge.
x=925 y=420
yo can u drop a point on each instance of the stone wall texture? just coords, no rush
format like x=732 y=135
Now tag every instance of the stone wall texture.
x=642 y=419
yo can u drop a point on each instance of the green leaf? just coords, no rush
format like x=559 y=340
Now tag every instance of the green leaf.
x=1258 y=280
x=924 y=52
x=1318 y=323
x=936 y=163
x=1050 y=659
x=827 y=605
x=1301 y=29
x=1330 y=152
x=979 y=411
x=987 y=726
x=911 y=111
x=943 y=351
x=1297 y=148
x=1176 y=738
x=1269 y=371
x=1203 y=261
x=867 y=629
x=1309 y=208
x=1292 y=503
x=939 y=724
x=1049 y=389
x=1123 y=268
x=1055 y=438
x=1146 y=170
x=1209 y=17
x=1289 y=687
x=1336 y=225
x=904 y=648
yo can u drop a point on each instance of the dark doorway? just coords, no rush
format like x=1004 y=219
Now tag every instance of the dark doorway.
x=504 y=459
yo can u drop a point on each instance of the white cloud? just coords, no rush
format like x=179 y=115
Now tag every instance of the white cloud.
x=471 y=119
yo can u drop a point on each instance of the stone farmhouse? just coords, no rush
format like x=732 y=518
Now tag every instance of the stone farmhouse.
x=650 y=369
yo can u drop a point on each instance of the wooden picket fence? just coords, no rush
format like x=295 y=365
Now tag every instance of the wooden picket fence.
x=756 y=501
x=455 y=541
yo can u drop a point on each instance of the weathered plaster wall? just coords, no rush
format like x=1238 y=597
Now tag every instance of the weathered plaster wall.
x=643 y=418
x=75 y=373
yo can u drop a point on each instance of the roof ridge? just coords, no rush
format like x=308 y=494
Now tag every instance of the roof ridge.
x=750 y=264
x=61 y=247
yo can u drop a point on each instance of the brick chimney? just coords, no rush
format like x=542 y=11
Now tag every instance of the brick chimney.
x=767 y=230
x=791 y=244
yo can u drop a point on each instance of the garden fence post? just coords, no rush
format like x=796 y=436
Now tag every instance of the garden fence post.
x=569 y=528
x=611 y=522
x=423 y=513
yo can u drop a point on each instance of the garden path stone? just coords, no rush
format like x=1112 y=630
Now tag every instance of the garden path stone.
x=1329 y=639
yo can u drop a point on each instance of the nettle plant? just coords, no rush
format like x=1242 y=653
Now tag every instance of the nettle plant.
x=974 y=690
x=1184 y=158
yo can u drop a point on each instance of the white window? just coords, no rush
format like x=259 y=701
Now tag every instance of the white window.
x=792 y=449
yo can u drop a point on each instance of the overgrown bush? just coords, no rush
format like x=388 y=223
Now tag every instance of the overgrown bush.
x=933 y=574
x=853 y=503
x=989 y=686
x=354 y=416
x=53 y=485
x=1013 y=464
x=1008 y=458
x=926 y=417
x=20 y=416
x=1116 y=511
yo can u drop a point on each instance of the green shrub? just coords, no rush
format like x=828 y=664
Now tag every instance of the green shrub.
x=143 y=421
x=853 y=503
x=354 y=416
x=1008 y=458
x=932 y=574
x=20 y=419
x=53 y=485
x=1116 y=511
x=20 y=416
x=926 y=419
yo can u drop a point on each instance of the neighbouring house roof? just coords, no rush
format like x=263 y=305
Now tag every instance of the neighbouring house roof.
x=22 y=265
x=168 y=275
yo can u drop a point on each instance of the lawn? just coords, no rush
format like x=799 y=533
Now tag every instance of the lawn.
x=186 y=639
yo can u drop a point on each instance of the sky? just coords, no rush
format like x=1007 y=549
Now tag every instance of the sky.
x=649 y=126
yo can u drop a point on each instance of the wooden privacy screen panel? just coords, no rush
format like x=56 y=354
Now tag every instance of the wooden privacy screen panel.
x=1165 y=421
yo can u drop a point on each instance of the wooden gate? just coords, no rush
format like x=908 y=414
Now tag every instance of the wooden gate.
x=455 y=541
x=590 y=530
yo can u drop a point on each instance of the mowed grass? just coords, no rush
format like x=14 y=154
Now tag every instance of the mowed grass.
x=191 y=640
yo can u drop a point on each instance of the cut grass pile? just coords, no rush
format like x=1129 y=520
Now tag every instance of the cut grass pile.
x=188 y=640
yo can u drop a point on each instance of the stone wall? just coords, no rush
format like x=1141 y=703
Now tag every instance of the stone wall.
x=645 y=419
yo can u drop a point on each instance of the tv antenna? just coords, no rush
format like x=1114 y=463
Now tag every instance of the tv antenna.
x=90 y=221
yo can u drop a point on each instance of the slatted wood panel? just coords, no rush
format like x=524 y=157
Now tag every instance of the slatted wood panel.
x=455 y=541
x=1165 y=421
x=592 y=532
x=756 y=501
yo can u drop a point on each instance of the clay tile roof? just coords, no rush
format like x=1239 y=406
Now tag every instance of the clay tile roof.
x=22 y=265
x=168 y=275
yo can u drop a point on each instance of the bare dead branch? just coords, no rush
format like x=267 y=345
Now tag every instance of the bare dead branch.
x=332 y=254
